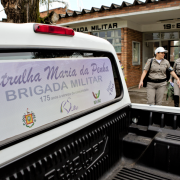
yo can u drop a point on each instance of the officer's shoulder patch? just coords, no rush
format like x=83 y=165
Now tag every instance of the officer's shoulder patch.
x=170 y=68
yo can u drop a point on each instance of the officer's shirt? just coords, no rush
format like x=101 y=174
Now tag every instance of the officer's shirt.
x=158 y=70
x=176 y=67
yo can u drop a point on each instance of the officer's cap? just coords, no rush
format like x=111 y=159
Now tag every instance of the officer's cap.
x=160 y=49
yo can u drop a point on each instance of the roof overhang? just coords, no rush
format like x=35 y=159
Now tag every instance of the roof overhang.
x=141 y=17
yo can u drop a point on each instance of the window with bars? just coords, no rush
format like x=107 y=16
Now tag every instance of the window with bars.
x=113 y=36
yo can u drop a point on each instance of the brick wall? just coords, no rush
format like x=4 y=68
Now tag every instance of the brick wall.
x=132 y=72
x=124 y=10
x=57 y=10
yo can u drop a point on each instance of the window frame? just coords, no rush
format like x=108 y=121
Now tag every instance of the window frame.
x=113 y=44
x=139 y=54
x=160 y=36
x=175 y=46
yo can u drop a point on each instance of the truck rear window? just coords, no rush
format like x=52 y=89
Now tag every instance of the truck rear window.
x=45 y=88
x=44 y=54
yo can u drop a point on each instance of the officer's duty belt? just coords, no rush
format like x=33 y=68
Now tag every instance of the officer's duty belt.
x=157 y=80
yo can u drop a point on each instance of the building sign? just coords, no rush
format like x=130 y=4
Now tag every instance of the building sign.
x=37 y=92
x=160 y=27
x=171 y=26
x=97 y=27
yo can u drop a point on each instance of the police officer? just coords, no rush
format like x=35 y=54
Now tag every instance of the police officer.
x=176 y=69
x=157 y=79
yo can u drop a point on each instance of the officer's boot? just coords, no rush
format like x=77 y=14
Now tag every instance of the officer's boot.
x=176 y=101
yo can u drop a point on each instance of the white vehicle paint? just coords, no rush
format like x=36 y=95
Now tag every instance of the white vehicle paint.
x=23 y=36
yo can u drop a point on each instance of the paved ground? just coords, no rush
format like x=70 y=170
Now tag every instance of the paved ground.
x=140 y=96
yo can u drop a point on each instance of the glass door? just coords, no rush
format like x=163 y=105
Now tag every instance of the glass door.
x=165 y=45
x=149 y=49
x=174 y=51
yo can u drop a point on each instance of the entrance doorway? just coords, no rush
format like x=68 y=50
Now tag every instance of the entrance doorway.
x=149 y=50
x=173 y=48
x=169 y=40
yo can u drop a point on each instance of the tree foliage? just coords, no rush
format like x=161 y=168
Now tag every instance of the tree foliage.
x=170 y=91
x=52 y=17
x=47 y=3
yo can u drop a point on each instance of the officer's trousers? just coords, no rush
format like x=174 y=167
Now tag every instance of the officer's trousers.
x=176 y=93
x=176 y=88
x=155 y=92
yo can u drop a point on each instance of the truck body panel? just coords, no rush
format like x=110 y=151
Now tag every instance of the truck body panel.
x=115 y=140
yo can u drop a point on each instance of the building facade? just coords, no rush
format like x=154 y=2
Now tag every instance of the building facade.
x=135 y=30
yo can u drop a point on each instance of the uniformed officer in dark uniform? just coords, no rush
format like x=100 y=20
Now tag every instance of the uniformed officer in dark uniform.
x=157 y=82
x=176 y=69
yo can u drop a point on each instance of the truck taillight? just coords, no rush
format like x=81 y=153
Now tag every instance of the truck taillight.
x=41 y=28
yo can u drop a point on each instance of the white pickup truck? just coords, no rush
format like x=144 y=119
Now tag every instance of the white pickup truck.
x=65 y=112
